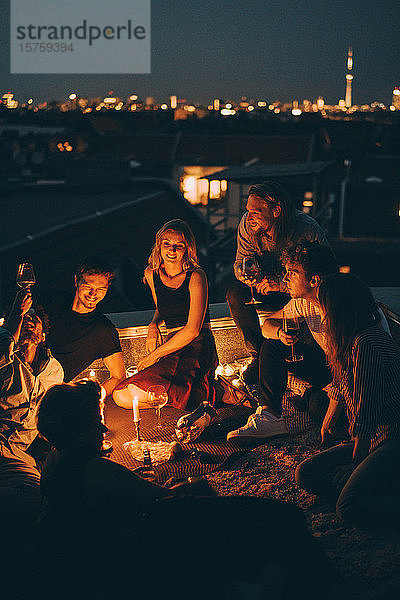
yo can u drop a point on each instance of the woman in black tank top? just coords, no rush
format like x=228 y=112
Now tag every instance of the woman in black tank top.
x=185 y=361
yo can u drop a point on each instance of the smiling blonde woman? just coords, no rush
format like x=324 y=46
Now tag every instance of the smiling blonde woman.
x=185 y=361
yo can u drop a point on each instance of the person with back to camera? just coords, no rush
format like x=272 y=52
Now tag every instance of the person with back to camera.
x=185 y=362
x=105 y=531
x=270 y=224
x=361 y=476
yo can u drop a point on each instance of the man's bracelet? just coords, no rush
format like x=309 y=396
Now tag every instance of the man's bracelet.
x=278 y=330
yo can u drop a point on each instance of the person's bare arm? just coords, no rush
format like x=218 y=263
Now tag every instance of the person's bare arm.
x=272 y=324
x=154 y=337
x=115 y=364
x=331 y=416
x=267 y=285
x=198 y=290
x=273 y=329
x=21 y=305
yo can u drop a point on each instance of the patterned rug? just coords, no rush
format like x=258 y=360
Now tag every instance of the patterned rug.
x=206 y=454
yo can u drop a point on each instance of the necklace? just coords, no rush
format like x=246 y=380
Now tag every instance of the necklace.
x=171 y=276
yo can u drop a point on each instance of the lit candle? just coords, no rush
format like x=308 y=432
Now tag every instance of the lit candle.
x=135 y=405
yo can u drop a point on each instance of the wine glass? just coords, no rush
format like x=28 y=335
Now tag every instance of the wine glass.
x=25 y=276
x=130 y=371
x=291 y=326
x=158 y=397
x=251 y=270
x=106 y=446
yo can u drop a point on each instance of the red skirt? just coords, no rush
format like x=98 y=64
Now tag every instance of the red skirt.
x=188 y=374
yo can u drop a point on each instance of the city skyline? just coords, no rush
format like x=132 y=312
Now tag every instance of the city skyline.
x=259 y=50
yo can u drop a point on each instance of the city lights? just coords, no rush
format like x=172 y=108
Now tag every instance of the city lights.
x=185 y=109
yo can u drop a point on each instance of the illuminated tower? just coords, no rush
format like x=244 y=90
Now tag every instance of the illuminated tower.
x=395 y=99
x=349 y=78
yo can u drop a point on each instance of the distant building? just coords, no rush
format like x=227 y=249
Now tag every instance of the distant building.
x=396 y=98
x=349 y=78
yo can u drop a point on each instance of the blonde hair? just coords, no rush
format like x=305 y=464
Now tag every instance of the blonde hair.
x=190 y=260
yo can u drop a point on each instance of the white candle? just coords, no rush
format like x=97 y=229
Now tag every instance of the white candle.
x=135 y=405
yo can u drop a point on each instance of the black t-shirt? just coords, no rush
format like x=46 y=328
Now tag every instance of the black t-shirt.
x=76 y=339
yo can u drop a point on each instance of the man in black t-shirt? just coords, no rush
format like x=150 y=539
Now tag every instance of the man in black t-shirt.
x=79 y=332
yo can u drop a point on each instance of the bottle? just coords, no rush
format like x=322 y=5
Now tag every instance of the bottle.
x=147 y=459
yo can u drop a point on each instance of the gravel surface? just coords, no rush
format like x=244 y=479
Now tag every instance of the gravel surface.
x=369 y=563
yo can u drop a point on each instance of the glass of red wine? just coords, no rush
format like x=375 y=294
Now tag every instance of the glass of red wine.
x=291 y=326
x=251 y=270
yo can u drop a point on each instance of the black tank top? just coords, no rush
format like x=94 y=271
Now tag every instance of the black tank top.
x=173 y=303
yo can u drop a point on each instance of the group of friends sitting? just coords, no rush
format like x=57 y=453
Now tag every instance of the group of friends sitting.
x=349 y=360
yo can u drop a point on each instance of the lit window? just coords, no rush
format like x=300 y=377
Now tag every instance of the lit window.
x=189 y=188
x=215 y=189
x=202 y=190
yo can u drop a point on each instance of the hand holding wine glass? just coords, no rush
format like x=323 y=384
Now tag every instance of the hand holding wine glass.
x=251 y=271
x=291 y=327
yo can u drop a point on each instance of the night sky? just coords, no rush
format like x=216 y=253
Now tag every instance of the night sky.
x=257 y=48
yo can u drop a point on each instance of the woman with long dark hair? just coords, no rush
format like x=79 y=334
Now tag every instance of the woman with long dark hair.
x=363 y=475
x=185 y=361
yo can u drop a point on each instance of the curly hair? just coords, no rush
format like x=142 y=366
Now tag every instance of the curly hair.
x=36 y=309
x=190 y=260
x=315 y=258
x=67 y=409
x=43 y=316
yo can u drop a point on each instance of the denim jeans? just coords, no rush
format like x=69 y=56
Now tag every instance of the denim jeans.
x=274 y=372
x=245 y=316
x=367 y=497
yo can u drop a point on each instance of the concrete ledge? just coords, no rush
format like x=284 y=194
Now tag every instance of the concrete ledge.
x=132 y=329
x=389 y=296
